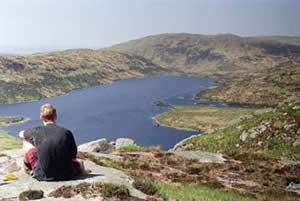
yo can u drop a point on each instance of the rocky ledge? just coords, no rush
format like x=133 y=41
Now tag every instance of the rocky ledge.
x=12 y=161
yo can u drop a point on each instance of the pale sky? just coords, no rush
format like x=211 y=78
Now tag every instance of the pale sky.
x=36 y=25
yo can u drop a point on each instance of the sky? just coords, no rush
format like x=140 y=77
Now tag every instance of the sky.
x=43 y=25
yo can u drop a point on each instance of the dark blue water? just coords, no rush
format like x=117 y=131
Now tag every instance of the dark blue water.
x=122 y=109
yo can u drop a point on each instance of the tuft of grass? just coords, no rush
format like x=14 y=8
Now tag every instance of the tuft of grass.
x=130 y=148
x=145 y=185
x=31 y=195
x=94 y=190
x=112 y=190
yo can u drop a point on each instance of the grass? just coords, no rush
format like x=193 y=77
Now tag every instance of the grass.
x=130 y=148
x=201 y=193
x=200 y=117
x=9 y=142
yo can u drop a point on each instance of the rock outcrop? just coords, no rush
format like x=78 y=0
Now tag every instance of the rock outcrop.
x=202 y=157
x=123 y=142
x=10 y=190
x=100 y=145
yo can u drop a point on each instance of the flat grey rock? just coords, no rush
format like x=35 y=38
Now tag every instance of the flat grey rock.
x=100 y=145
x=201 y=157
x=108 y=156
x=12 y=189
x=123 y=142
x=292 y=187
x=290 y=162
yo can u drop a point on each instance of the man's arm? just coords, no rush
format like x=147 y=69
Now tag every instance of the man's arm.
x=21 y=134
x=28 y=135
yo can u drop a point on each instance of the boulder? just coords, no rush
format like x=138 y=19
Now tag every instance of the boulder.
x=296 y=143
x=256 y=131
x=8 y=165
x=201 y=157
x=100 y=145
x=123 y=142
x=293 y=187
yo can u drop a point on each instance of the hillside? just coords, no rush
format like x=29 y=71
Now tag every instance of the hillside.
x=264 y=88
x=32 y=77
x=210 y=54
x=255 y=71
x=293 y=40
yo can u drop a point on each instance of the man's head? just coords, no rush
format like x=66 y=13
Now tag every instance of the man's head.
x=48 y=113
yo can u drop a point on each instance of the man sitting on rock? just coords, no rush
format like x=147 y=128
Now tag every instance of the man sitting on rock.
x=50 y=150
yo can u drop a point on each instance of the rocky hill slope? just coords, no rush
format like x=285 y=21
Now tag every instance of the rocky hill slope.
x=32 y=77
x=293 y=40
x=211 y=54
x=256 y=71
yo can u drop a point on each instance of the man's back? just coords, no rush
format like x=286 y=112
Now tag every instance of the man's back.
x=55 y=150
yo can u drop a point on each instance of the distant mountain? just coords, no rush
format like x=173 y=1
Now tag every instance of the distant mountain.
x=32 y=77
x=256 y=70
x=293 y=40
x=210 y=54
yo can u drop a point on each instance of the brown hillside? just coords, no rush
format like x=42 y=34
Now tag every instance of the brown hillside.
x=32 y=77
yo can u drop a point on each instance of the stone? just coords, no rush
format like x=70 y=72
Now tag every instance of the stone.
x=296 y=143
x=202 y=157
x=234 y=179
x=288 y=127
x=10 y=190
x=256 y=131
x=289 y=162
x=100 y=145
x=123 y=142
x=259 y=143
x=298 y=132
x=240 y=127
x=185 y=147
x=244 y=136
x=292 y=187
x=297 y=107
x=8 y=165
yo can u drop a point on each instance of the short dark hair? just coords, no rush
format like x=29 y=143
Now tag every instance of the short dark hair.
x=48 y=112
